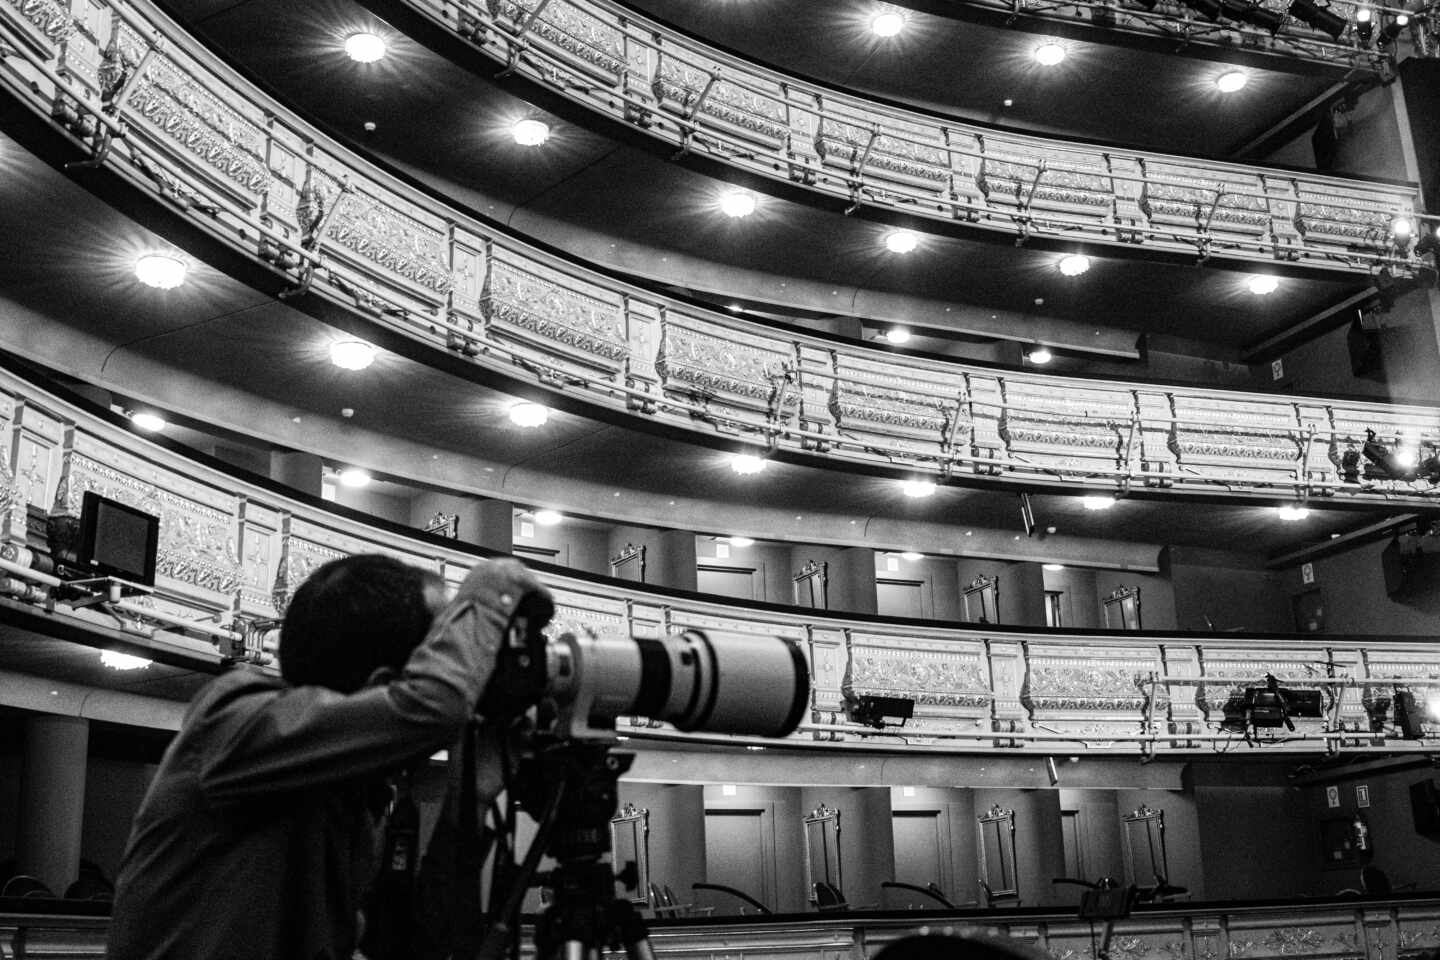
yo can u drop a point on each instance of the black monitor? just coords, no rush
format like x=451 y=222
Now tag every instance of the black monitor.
x=117 y=540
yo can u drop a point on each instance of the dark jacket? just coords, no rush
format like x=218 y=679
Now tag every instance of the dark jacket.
x=261 y=828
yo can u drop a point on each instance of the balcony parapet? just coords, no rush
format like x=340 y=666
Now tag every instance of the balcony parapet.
x=231 y=552
x=153 y=107
x=777 y=127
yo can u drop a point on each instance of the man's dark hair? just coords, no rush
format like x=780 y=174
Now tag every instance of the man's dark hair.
x=352 y=616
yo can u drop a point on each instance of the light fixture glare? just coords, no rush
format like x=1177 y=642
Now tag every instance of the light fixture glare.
x=901 y=241
x=1401 y=227
x=1232 y=80
x=1074 y=265
x=352 y=354
x=737 y=203
x=364 y=47
x=912 y=556
x=116 y=660
x=548 y=518
x=354 y=477
x=888 y=24
x=1263 y=284
x=918 y=488
x=1039 y=355
x=1054 y=567
x=1290 y=512
x=160 y=270
x=740 y=541
x=1097 y=502
x=746 y=464
x=149 y=422
x=530 y=133
x=1049 y=53
x=528 y=414
x=898 y=335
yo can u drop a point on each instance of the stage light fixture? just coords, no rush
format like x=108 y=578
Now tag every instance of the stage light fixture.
x=1321 y=18
x=916 y=489
x=1401 y=227
x=1364 y=26
x=530 y=133
x=351 y=354
x=364 y=47
x=160 y=270
x=1429 y=470
x=1400 y=462
x=737 y=203
x=1410 y=715
x=888 y=24
x=529 y=414
x=1350 y=465
x=1039 y=355
x=1074 y=265
x=881 y=712
x=1209 y=9
x=901 y=241
x=1049 y=53
x=1393 y=29
x=1254 y=14
x=149 y=422
x=746 y=464
x=1231 y=81
x=1263 y=285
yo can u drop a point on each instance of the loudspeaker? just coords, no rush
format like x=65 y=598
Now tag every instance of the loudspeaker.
x=1366 y=358
x=1425 y=808
x=1411 y=576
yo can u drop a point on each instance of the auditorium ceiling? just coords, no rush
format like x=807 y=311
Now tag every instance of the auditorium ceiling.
x=607 y=194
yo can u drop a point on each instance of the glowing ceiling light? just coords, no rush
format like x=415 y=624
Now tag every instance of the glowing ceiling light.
x=1291 y=511
x=1097 y=502
x=888 y=24
x=116 y=660
x=1231 y=80
x=1054 y=567
x=352 y=354
x=1049 y=53
x=160 y=270
x=548 y=518
x=1074 y=265
x=918 y=488
x=740 y=541
x=912 y=556
x=527 y=414
x=149 y=422
x=530 y=133
x=901 y=241
x=897 y=334
x=1039 y=355
x=364 y=47
x=1263 y=284
x=746 y=464
x=354 y=477
x=737 y=203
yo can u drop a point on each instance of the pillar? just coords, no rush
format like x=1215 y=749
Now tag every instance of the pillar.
x=303 y=471
x=52 y=799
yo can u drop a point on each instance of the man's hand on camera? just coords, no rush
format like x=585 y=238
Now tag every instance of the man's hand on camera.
x=499 y=586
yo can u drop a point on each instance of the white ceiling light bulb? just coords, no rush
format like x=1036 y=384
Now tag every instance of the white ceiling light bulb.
x=1263 y=284
x=116 y=660
x=1231 y=80
x=149 y=422
x=352 y=354
x=912 y=556
x=1291 y=511
x=528 y=414
x=901 y=241
x=1054 y=567
x=160 y=270
x=364 y=47
x=354 y=477
x=897 y=334
x=1049 y=53
x=1074 y=265
x=530 y=133
x=737 y=203
x=888 y=24
x=740 y=541
x=1097 y=502
x=1039 y=355
x=746 y=464
x=548 y=518
x=918 y=488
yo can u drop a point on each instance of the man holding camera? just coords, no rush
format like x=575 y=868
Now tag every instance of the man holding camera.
x=260 y=832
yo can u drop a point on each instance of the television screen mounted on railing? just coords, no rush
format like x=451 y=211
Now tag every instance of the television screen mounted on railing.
x=117 y=540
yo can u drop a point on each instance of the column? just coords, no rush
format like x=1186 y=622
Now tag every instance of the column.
x=52 y=799
x=303 y=471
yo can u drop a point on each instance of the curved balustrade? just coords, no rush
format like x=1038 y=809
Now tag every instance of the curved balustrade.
x=162 y=113
x=630 y=69
x=231 y=553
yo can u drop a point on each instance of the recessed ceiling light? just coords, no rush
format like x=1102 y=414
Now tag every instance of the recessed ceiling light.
x=1231 y=80
x=1291 y=511
x=1074 y=265
x=352 y=354
x=116 y=660
x=1039 y=355
x=530 y=133
x=897 y=334
x=149 y=422
x=740 y=541
x=1055 y=567
x=1049 y=53
x=737 y=203
x=1263 y=284
x=746 y=464
x=354 y=477
x=528 y=414
x=901 y=241
x=1097 y=502
x=912 y=556
x=548 y=518
x=160 y=270
x=364 y=47
x=888 y=24
x=918 y=488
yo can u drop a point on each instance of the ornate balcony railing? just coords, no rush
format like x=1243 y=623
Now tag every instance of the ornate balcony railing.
x=169 y=119
x=619 y=64
x=231 y=553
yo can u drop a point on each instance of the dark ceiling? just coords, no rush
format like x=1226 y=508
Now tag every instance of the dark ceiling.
x=600 y=194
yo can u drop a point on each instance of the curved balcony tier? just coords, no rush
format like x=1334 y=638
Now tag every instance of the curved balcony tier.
x=881 y=160
x=171 y=122
x=231 y=551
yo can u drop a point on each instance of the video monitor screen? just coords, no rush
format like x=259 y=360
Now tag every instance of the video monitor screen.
x=117 y=540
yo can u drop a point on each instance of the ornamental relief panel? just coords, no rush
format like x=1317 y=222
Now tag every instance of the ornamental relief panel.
x=392 y=240
x=1093 y=683
x=51 y=18
x=924 y=674
x=1291 y=668
x=543 y=306
x=707 y=358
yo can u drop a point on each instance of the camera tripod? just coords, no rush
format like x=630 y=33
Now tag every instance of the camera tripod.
x=574 y=783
